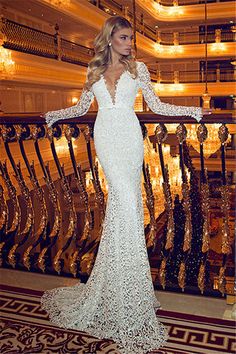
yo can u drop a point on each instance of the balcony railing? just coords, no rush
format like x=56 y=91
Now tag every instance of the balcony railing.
x=114 y=8
x=32 y=41
x=29 y=40
x=194 y=76
x=53 y=198
x=194 y=37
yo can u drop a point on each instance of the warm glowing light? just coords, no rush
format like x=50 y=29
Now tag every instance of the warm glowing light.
x=158 y=47
x=175 y=10
x=166 y=149
x=88 y=180
x=206 y=100
x=211 y=144
x=159 y=87
x=138 y=106
x=176 y=87
x=169 y=87
x=74 y=100
x=218 y=47
x=7 y=65
x=158 y=7
x=102 y=179
x=59 y=3
x=151 y=158
x=62 y=147
x=174 y=49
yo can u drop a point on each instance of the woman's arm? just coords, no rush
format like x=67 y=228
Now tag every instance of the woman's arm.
x=81 y=108
x=154 y=102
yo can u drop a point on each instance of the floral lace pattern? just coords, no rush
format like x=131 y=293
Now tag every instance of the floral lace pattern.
x=81 y=108
x=118 y=301
x=113 y=97
x=154 y=102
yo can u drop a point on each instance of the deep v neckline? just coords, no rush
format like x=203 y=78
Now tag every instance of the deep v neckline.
x=113 y=98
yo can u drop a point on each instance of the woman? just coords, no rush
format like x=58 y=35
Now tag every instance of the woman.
x=118 y=300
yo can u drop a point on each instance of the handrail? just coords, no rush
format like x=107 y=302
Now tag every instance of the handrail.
x=191 y=200
x=144 y=117
x=217 y=74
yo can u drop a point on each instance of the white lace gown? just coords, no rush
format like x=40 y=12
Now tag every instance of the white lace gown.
x=118 y=301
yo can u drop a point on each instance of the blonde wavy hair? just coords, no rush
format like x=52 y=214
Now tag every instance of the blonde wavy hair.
x=98 y=65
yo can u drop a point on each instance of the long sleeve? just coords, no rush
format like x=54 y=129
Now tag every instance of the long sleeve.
x=154 y=102
x=81 y=108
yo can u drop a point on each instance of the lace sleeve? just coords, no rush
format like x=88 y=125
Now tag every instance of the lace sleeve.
x=81 y=108
x=154 y=102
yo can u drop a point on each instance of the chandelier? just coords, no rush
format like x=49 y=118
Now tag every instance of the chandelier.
x=102 y=179
x=151 y=157
x=7 y=65
x=211 y=144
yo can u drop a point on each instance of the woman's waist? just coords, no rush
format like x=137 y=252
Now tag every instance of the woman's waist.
x=116 y=116
x=116 y=107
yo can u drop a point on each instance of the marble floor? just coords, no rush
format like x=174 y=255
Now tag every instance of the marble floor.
x=178 y=302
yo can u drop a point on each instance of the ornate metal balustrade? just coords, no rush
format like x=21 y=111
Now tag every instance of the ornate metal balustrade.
x=30 y=40
x=53 y=199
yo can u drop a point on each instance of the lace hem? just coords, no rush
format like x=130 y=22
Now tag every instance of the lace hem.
x=140 y=340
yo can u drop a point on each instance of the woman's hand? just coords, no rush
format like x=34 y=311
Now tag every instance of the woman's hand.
x=207 y=111
x=48 y=122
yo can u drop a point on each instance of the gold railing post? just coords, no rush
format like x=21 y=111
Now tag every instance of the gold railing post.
x=58 y=42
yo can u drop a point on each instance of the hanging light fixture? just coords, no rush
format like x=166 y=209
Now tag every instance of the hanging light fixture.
x=212 y=143
x=151 y=158
x=7 y=65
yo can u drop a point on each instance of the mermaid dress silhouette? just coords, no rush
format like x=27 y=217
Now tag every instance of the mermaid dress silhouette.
x=118 y=301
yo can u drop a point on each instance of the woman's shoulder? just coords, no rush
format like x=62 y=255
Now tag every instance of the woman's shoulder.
x=143 y=72
x=142 y=69
x=140 y=65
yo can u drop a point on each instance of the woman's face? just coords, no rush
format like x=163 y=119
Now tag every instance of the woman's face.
x=121 y=41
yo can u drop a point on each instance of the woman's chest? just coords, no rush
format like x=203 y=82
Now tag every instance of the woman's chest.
x=124 y=89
